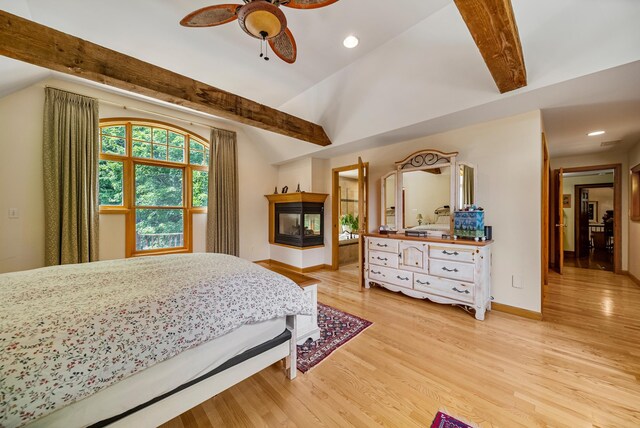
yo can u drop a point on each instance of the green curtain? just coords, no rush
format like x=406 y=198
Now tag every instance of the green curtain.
x=223 y=229
x=70 y=155
x=467 y=185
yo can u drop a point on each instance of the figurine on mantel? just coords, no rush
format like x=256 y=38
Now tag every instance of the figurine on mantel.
x=275 y=192
x=298 y=188
x=285 y=189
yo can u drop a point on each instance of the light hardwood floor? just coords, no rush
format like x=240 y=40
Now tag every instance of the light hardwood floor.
x=580 y=367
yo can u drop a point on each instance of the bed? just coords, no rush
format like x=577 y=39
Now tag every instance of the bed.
x=442 y=224
x=136 y=342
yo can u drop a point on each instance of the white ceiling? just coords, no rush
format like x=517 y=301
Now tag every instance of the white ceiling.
x=416 y=72
x=225 y=56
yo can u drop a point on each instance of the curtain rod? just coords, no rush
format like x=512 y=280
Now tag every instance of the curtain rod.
x=190 y=122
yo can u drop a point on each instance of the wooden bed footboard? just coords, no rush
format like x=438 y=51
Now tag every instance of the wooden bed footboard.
x=180 y=402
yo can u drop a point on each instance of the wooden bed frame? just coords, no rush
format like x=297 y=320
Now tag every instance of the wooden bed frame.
x=180 y=402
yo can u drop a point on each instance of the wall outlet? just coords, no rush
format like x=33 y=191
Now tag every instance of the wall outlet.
x=516 y=281
x=13 y=213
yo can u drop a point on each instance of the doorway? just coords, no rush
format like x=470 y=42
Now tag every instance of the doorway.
x=350 y=191
x=587 y=212
x=594 y=222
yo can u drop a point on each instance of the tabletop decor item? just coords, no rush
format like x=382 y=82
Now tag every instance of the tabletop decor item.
x=469 y=223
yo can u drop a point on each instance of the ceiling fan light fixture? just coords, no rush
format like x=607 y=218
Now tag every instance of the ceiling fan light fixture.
x=262 y=20
x=595 y=133
x=351 y=42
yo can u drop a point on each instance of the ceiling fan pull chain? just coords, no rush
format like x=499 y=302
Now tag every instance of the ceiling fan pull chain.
x=266 y=55
x=261 y=49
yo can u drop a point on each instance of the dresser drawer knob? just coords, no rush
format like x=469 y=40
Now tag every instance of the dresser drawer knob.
x=460 y=291
x=455 y=253
x=449 y=270
x=401 y=278
x=423 y=283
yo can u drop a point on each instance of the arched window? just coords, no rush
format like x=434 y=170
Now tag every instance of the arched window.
x=157 y=175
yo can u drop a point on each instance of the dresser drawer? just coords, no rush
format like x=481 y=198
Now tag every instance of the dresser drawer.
x=392 y=276
x=381 y=244
x=452 y=254
x=381 y=258
x=452 y=270
x=444 y=287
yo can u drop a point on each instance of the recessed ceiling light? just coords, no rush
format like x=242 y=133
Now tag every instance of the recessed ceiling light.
x=351 y=42
x=595 y=133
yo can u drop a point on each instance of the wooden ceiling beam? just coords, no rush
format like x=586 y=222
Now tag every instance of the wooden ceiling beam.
x=493 y=27
x=46 y=47
x=436 y=171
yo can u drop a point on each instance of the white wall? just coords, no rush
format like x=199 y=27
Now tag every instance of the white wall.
x=507 y=154
x=318 y=182
x=569 y=184
x=605 y=158
x=604 y=197
x=293 y=173
x=21 y=185
x=312 y=257
x=634 y=226
x=21 y=118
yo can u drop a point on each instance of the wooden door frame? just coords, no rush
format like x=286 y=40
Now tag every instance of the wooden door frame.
x=617 y=207
x=576 y=210
x=335 y=201
x=546 y=173
x=557 y=225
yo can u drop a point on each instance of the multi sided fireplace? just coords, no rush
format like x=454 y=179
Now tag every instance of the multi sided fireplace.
x=297 y=219
x=300 y=224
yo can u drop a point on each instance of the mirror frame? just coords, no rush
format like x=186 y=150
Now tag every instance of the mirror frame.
x=420 y=161
x=383 y=196
x=475 y=183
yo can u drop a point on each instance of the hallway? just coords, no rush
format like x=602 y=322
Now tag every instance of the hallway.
x=600 y=301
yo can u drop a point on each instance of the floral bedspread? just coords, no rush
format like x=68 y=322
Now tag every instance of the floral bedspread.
x=67 y=332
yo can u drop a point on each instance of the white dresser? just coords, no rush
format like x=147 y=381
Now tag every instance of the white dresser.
x=443 y=271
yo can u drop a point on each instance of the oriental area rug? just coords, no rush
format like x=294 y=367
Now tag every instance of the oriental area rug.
x=442 y=420
x=336 y=329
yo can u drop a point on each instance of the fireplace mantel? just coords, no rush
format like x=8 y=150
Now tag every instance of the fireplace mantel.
x=292 y=204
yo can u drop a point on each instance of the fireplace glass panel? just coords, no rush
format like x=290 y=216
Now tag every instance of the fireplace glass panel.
x=289 y=224
x=312 y=223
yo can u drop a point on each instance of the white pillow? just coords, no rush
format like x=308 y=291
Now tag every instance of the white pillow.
x=443 y=219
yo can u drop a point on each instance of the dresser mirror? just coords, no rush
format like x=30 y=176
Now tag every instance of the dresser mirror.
x=467 y=178
x=425 y=192
x=427 y=199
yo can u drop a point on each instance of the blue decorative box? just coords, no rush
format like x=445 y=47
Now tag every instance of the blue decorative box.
x=468 y=224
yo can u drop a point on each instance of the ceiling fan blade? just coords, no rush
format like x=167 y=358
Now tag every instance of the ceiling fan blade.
x=308 y=4
x=211 y=15
x=284 y=45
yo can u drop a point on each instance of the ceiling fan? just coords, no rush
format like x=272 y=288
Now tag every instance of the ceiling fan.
x=261 y=19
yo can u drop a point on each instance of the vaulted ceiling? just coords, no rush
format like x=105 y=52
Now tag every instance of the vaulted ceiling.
x=417 y=70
